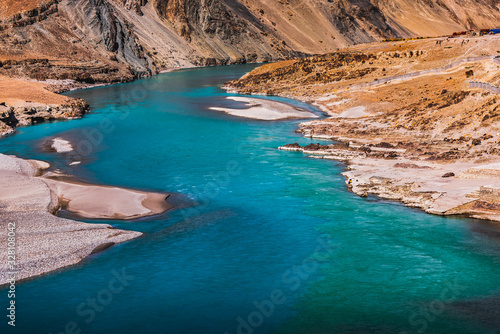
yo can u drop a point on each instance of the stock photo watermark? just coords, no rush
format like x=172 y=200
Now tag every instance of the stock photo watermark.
x=420 y=320
x=94 y=137
x=11 y=273
x=217 y=181
x=292 y=279
x=88 y=310
x=212 y=188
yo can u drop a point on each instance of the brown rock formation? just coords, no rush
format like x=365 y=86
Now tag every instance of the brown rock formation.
x=118 y=40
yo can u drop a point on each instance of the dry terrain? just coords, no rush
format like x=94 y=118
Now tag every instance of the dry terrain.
x=405 y=118
x=24 y=102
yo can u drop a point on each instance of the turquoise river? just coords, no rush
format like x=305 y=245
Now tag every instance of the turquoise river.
x=275 y=244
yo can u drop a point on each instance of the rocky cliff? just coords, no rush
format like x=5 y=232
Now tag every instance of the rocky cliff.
x=118 y=40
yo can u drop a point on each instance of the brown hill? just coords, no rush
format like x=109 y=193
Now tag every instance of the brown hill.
x=116 y=40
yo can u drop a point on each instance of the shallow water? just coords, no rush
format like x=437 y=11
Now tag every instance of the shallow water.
x=270 y=225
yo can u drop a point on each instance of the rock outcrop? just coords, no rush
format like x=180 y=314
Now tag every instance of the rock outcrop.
x=119 y=40
x=96 y=20
x=34 y=113
x=224 y=31
x=25 y=102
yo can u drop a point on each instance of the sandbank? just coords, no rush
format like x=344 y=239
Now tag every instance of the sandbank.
x=45 y=242
x=265 y=109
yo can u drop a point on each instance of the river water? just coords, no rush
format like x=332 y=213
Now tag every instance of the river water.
x=276 y=243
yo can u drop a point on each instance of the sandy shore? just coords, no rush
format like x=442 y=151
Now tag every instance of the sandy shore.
x=105 y=202
x=45 y=242
x=264 y=109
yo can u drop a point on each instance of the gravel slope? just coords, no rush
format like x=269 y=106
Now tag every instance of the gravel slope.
x=44 y=242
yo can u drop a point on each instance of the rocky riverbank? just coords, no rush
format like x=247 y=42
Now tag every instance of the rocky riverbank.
x=27 y=102
x=427 y=138
x=455 y=188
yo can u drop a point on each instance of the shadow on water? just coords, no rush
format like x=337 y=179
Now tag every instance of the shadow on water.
x=485 y=311
x=490 y=229
x=196 y=222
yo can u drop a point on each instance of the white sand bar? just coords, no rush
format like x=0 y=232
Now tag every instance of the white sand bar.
x=103 y=202
x=265 y=109
x=61 y=145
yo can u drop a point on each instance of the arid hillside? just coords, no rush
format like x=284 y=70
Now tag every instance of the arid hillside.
x=437 y=17
x=118 y=40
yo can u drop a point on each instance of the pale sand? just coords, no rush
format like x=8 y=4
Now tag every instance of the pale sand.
x=355 y=112
x=326 y=97
x=45 y=242
x=265 y=109
x=424 y=188
x=421 y=183
x=482 y=172
x=337 y=103
x=61 y=145
x=103 y=202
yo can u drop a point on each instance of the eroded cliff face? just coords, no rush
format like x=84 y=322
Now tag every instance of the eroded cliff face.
x=222 y=31
x=439 y=17
x=360 y=21
x=119 y=40
x=82 y=40
x=97 y=21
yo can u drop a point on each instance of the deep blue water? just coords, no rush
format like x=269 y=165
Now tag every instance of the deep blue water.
x=269 y=225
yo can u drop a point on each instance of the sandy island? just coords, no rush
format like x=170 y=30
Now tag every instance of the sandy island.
x=265 y=109
x=104 y=202
x=45 y=242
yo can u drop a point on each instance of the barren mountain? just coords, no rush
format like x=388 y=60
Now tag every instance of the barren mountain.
x=116 y=40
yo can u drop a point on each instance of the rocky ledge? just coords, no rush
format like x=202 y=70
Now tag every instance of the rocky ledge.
x=451 y=188
x=26 y=102
x=34 y=113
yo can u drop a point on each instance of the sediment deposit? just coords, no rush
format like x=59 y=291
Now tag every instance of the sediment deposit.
x=44 y=242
